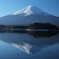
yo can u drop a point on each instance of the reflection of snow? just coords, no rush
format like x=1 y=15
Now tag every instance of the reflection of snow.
x=25 y=47
x=28 y=48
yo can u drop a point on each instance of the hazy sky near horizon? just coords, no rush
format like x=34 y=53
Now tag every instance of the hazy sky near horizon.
x=11 y=6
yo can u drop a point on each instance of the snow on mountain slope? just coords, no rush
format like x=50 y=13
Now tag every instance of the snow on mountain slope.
x=29 y=15
x=30 y=10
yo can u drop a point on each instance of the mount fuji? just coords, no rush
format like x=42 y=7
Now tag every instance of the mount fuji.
x=29 y=15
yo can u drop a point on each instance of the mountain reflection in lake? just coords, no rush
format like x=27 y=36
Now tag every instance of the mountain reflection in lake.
x=37 y=33
x=29 y=45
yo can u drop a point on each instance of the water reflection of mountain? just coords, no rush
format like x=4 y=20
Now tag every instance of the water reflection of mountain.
x=27 y=43
x=38 y=33
x=43 y=33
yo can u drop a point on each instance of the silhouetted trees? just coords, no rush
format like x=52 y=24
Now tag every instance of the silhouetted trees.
x=43 y=26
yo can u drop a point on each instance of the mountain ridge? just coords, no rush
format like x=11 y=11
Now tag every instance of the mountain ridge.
x=33 y=16
x=30 y=10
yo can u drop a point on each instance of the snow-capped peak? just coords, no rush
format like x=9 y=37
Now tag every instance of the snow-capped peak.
x=30 y=10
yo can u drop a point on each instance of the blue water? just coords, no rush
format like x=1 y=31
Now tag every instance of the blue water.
x=25 y=46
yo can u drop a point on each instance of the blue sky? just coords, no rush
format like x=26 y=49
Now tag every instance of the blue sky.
x=10 y=6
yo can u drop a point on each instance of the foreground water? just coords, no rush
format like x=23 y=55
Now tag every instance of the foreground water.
x=25 y=46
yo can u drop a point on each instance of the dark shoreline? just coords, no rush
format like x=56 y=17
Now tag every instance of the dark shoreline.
x=45 y=27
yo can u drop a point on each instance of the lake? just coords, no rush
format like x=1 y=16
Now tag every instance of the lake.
x=44 y=45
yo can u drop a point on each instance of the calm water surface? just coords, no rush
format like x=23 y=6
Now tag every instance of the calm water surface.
x=25 y=46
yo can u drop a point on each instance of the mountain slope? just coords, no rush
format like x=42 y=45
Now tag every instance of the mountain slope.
x=29 y=15
x=30 y=10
